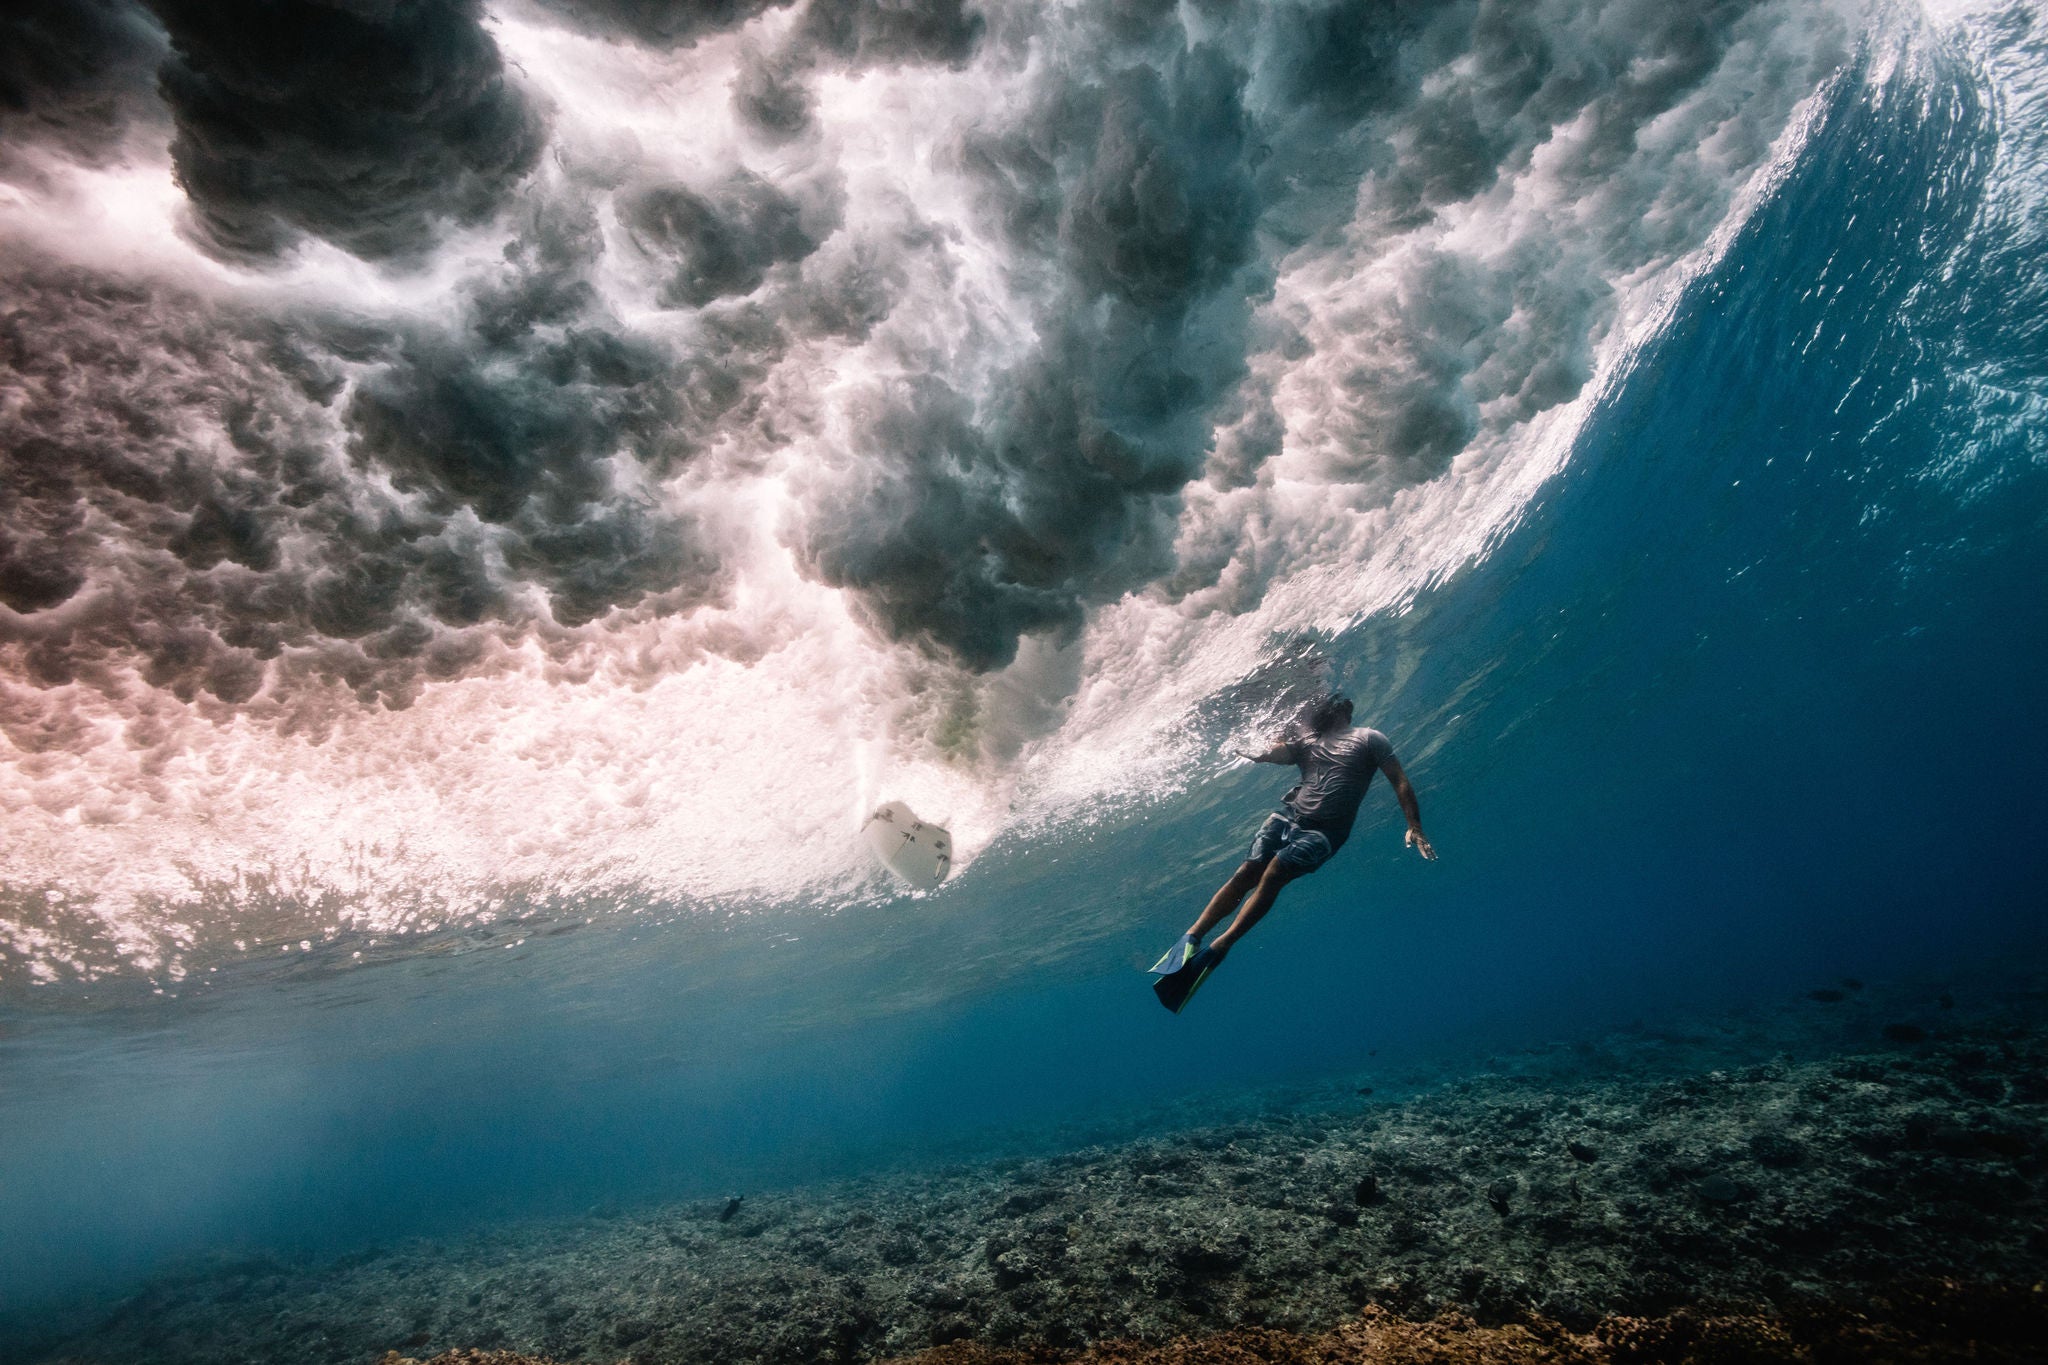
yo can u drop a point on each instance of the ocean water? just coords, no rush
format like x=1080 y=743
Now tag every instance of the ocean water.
x=1718 y=677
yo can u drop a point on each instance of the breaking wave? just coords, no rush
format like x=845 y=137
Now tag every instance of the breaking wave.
x=591 y=494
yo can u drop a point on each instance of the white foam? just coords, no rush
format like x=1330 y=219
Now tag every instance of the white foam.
x=725 y=758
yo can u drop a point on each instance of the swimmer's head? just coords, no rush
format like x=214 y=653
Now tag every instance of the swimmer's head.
x=1328 y=712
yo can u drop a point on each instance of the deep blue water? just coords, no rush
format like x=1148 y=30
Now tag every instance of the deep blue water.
x=1750 y=698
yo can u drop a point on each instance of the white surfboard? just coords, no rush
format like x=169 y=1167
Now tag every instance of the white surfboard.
x=919 y=853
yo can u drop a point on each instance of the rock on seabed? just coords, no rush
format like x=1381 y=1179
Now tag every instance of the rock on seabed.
x=1777 y=1198
x=1941 y=1324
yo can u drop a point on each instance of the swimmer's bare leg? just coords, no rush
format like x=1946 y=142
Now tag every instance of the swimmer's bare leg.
x=1226 y=898
x=1275 y=876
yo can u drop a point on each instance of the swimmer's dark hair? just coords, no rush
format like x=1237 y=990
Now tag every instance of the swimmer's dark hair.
x=1323 y=714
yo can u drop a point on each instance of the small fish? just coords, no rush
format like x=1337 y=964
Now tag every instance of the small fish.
x=1851 y=983
x=1946 y=1001
x=1365 y=1090
x=1582 y=1151
x=1826 y=996
x=1905 y=1033
x=732 y=1206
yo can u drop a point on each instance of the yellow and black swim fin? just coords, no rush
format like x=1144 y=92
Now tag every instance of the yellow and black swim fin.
x=1177 y=956
x=1177 y=984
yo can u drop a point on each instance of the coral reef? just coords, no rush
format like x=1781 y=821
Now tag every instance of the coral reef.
x=1583 y=1207
x=1934 y=1325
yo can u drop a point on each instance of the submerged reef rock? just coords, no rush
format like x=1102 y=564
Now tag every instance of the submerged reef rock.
x=1938 y=1324
x=1652 y=1197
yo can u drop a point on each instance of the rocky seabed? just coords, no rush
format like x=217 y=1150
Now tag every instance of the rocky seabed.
x=1580 y=1188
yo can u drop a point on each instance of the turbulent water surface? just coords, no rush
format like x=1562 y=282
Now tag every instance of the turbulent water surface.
x=491 y=495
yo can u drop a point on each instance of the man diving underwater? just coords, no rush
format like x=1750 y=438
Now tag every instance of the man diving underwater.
x=1337 y=763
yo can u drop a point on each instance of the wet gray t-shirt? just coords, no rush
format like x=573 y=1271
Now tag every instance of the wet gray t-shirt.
x=1335 y=771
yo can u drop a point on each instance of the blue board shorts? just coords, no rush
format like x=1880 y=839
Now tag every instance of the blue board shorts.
x=1297 y=848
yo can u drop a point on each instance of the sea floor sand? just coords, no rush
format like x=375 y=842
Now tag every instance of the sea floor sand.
x=1529 y=1212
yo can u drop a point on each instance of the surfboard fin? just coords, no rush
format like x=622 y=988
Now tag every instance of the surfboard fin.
x=1176 y=988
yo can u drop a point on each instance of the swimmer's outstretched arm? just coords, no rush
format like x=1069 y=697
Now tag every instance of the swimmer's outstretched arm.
x=1281 y=752
x=1404 y=792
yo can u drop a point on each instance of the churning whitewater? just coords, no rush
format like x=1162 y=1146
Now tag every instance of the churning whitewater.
x=455 y=452
x=494 y=495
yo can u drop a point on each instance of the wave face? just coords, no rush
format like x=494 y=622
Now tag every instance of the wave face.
x=469 y=568
x=439 y=516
